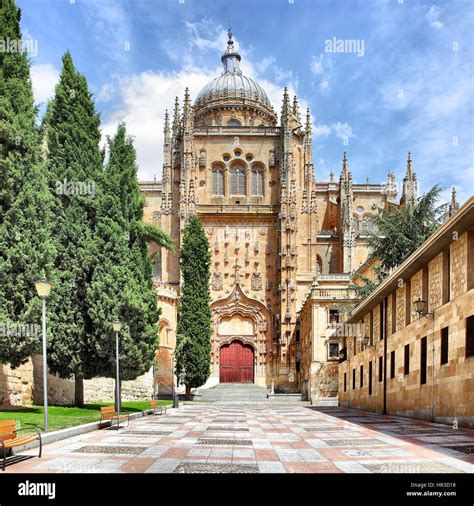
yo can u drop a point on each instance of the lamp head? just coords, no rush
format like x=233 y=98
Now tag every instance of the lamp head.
x=117 y=325
x=419 y=306
x=43 y=287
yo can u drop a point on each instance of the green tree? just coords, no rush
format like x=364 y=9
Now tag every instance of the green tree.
x=121 y=285
x=400 y=231
x=76 y=179
x=26 y=248
x=193 y=347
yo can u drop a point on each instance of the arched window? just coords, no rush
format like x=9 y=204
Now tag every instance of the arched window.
x=319 y=265
x=237 y=181
x=218 y=182
x=366 y=224
x=355 y=224
x=233 y=122
x=157 y=267
x=257 y=182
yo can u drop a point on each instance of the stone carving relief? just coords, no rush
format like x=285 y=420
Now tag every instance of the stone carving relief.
x=257 y=281
x=217 y=281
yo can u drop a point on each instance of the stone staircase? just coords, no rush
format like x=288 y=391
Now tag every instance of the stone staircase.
x=232 y=392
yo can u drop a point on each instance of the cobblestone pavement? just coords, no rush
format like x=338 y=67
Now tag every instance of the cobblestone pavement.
x=261 y=438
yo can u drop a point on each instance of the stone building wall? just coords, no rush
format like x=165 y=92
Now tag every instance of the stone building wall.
x=459 y=269
x=435 y=277
x=448 y=392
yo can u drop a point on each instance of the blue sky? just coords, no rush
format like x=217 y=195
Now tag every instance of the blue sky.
x=411 y=88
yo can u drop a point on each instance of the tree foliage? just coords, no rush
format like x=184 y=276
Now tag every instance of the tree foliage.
x=121 y=285
x=400 y=231
x=76 y=181
x=193 y=347
x=26 y=249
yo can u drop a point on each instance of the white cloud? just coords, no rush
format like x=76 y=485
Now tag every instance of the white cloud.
x=321 y=66
x=105 y=93
x=143 y=100
x=263 y=64
x=111 y=27
x=198 y=39
x=44 y=78
x=322 y=130
x=317 y=66
x=342 y=130
x=432 y=16
x=324 y=85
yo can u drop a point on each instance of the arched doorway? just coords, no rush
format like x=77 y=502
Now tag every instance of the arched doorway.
x=236 y=363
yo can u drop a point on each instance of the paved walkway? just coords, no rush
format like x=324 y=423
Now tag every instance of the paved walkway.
x=261 y=438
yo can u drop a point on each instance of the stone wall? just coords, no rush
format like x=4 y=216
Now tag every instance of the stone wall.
x=24 y=386
x=16 y=386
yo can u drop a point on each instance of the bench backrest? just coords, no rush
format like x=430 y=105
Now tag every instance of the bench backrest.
x=7 y=430
x=153 y=404
x=108 y=411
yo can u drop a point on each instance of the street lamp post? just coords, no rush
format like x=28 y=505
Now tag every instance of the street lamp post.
x=43 y=287
x=173 y=392
x=117 y=326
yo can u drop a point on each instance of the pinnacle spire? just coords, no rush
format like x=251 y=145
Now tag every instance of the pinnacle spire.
x=345 y=163
x=409 y=165
x=166 y=129
x=286 y=107
x=176 y=116
x=454 y=205
x=308 y=121
x=410 y=185
x=296 y=107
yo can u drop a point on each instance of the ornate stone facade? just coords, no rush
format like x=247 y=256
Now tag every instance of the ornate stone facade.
x=272 y=227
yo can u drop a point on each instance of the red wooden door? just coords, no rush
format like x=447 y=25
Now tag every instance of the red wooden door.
x=236 y=363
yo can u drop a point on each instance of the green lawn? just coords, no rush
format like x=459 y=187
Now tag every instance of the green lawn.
x=61 y=417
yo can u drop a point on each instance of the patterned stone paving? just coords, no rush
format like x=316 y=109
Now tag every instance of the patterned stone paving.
x=259 y=438
x=224 y=442
x=126 y=450
x=148 y=432
x=467 y=449
x=353 y=442
x=215 y=468
x=218 y=428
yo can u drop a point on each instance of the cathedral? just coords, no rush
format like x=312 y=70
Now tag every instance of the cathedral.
x=284 y=244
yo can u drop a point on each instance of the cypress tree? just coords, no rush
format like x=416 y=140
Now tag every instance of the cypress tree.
x=75 y=175
x=26 y=249
x=193 y=347
x=121 y=285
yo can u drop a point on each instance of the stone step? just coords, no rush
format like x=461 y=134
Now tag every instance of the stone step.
x=233 y=392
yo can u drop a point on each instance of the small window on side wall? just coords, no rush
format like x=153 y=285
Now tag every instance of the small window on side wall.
x=333 y=350
x=470 y=336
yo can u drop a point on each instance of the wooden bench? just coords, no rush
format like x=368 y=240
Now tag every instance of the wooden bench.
x=9 y=438
x=154 y=406
x=107 y=413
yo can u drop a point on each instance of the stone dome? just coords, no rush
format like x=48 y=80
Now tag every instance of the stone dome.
x=233 y=89
x=232 y=85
